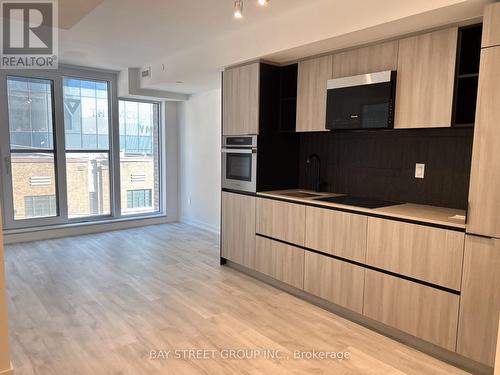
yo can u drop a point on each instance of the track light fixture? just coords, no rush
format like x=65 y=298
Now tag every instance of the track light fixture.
x=238 y=9
x=262 y=2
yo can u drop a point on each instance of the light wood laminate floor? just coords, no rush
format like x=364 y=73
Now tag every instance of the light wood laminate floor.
x=98 y=304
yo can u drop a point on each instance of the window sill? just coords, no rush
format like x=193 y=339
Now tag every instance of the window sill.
x=84 y=224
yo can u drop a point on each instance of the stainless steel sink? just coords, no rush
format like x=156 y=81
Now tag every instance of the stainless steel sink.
x=300 y=194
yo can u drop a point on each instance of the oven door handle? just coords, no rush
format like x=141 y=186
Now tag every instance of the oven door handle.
x=239 y=151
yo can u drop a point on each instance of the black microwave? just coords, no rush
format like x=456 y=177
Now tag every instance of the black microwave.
x=361 y=102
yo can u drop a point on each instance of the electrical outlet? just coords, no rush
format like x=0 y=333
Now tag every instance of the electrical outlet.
x=419 y=170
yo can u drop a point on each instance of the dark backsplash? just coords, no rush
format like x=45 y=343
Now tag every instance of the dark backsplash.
x=381 y=164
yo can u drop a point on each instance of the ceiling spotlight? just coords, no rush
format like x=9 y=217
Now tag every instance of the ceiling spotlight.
x=263 y=2
x=238 y=9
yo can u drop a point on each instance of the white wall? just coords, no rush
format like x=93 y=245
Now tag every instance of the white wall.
x=200 y=162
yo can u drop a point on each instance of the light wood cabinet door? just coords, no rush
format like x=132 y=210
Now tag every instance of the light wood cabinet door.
x=241 y=100
x=281 y=220
x=480 y=304
x=426 y=77
x=491 y=26
x=365 y=60
x=337 y=233
x=427 y=313
x=280 y=261
x=335 y=281
x=425 y=253
x=497 y=361
x=238 y=228
x=311 y=93
x=484 y=204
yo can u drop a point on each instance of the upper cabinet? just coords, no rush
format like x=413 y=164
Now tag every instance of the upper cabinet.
x=241 y=100
x=426 y=75
x=311 y=93
x=491 y=32
x=365 y=60
x=484 y=206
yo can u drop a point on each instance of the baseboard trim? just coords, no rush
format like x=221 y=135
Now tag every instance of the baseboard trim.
x=200 y=225
x=9 y=371
x=82 y=229
x=437 y=352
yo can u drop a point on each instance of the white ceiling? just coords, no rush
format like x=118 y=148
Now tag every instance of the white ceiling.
x=192 y=40
x=72 y=11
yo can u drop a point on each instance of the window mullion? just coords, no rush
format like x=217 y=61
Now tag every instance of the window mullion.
x=114 y=135
x=60 y=148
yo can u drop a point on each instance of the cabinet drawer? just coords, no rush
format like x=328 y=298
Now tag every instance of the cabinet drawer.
x=421 y=311
x=281 y=220
x=334 y=280
x=280 y=261
x=425 y=253
x=337 y=233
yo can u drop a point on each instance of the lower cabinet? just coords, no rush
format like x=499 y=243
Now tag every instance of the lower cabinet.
x=281 y=220
x=273 y=238
x=334 y=280
x=337 y=233
x=238 y=228
x=480 y=305
x=430 y=254
x=280 y=261
x=425 y=312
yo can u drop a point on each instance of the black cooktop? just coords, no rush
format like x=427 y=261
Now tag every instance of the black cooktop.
x=358 y=201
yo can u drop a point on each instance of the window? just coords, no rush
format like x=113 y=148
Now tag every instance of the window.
x=86 y=124
x=139 y=157
x=32 y=154
x=67 y=158
x=40 y=206
x=139 y=199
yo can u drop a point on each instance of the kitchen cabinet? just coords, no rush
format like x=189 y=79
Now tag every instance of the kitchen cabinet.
x=491 y=26
x=337 y=233
x=280 y=261
x=311 y=93
x=425 y=80
x=335 y=281
x=365 y=60
x=281 y=220
x=427 y=313
x=497 y=361
x=238 y=228
x=425 y=253
x=484 y=206
x=480 y=304
x=241 y=87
